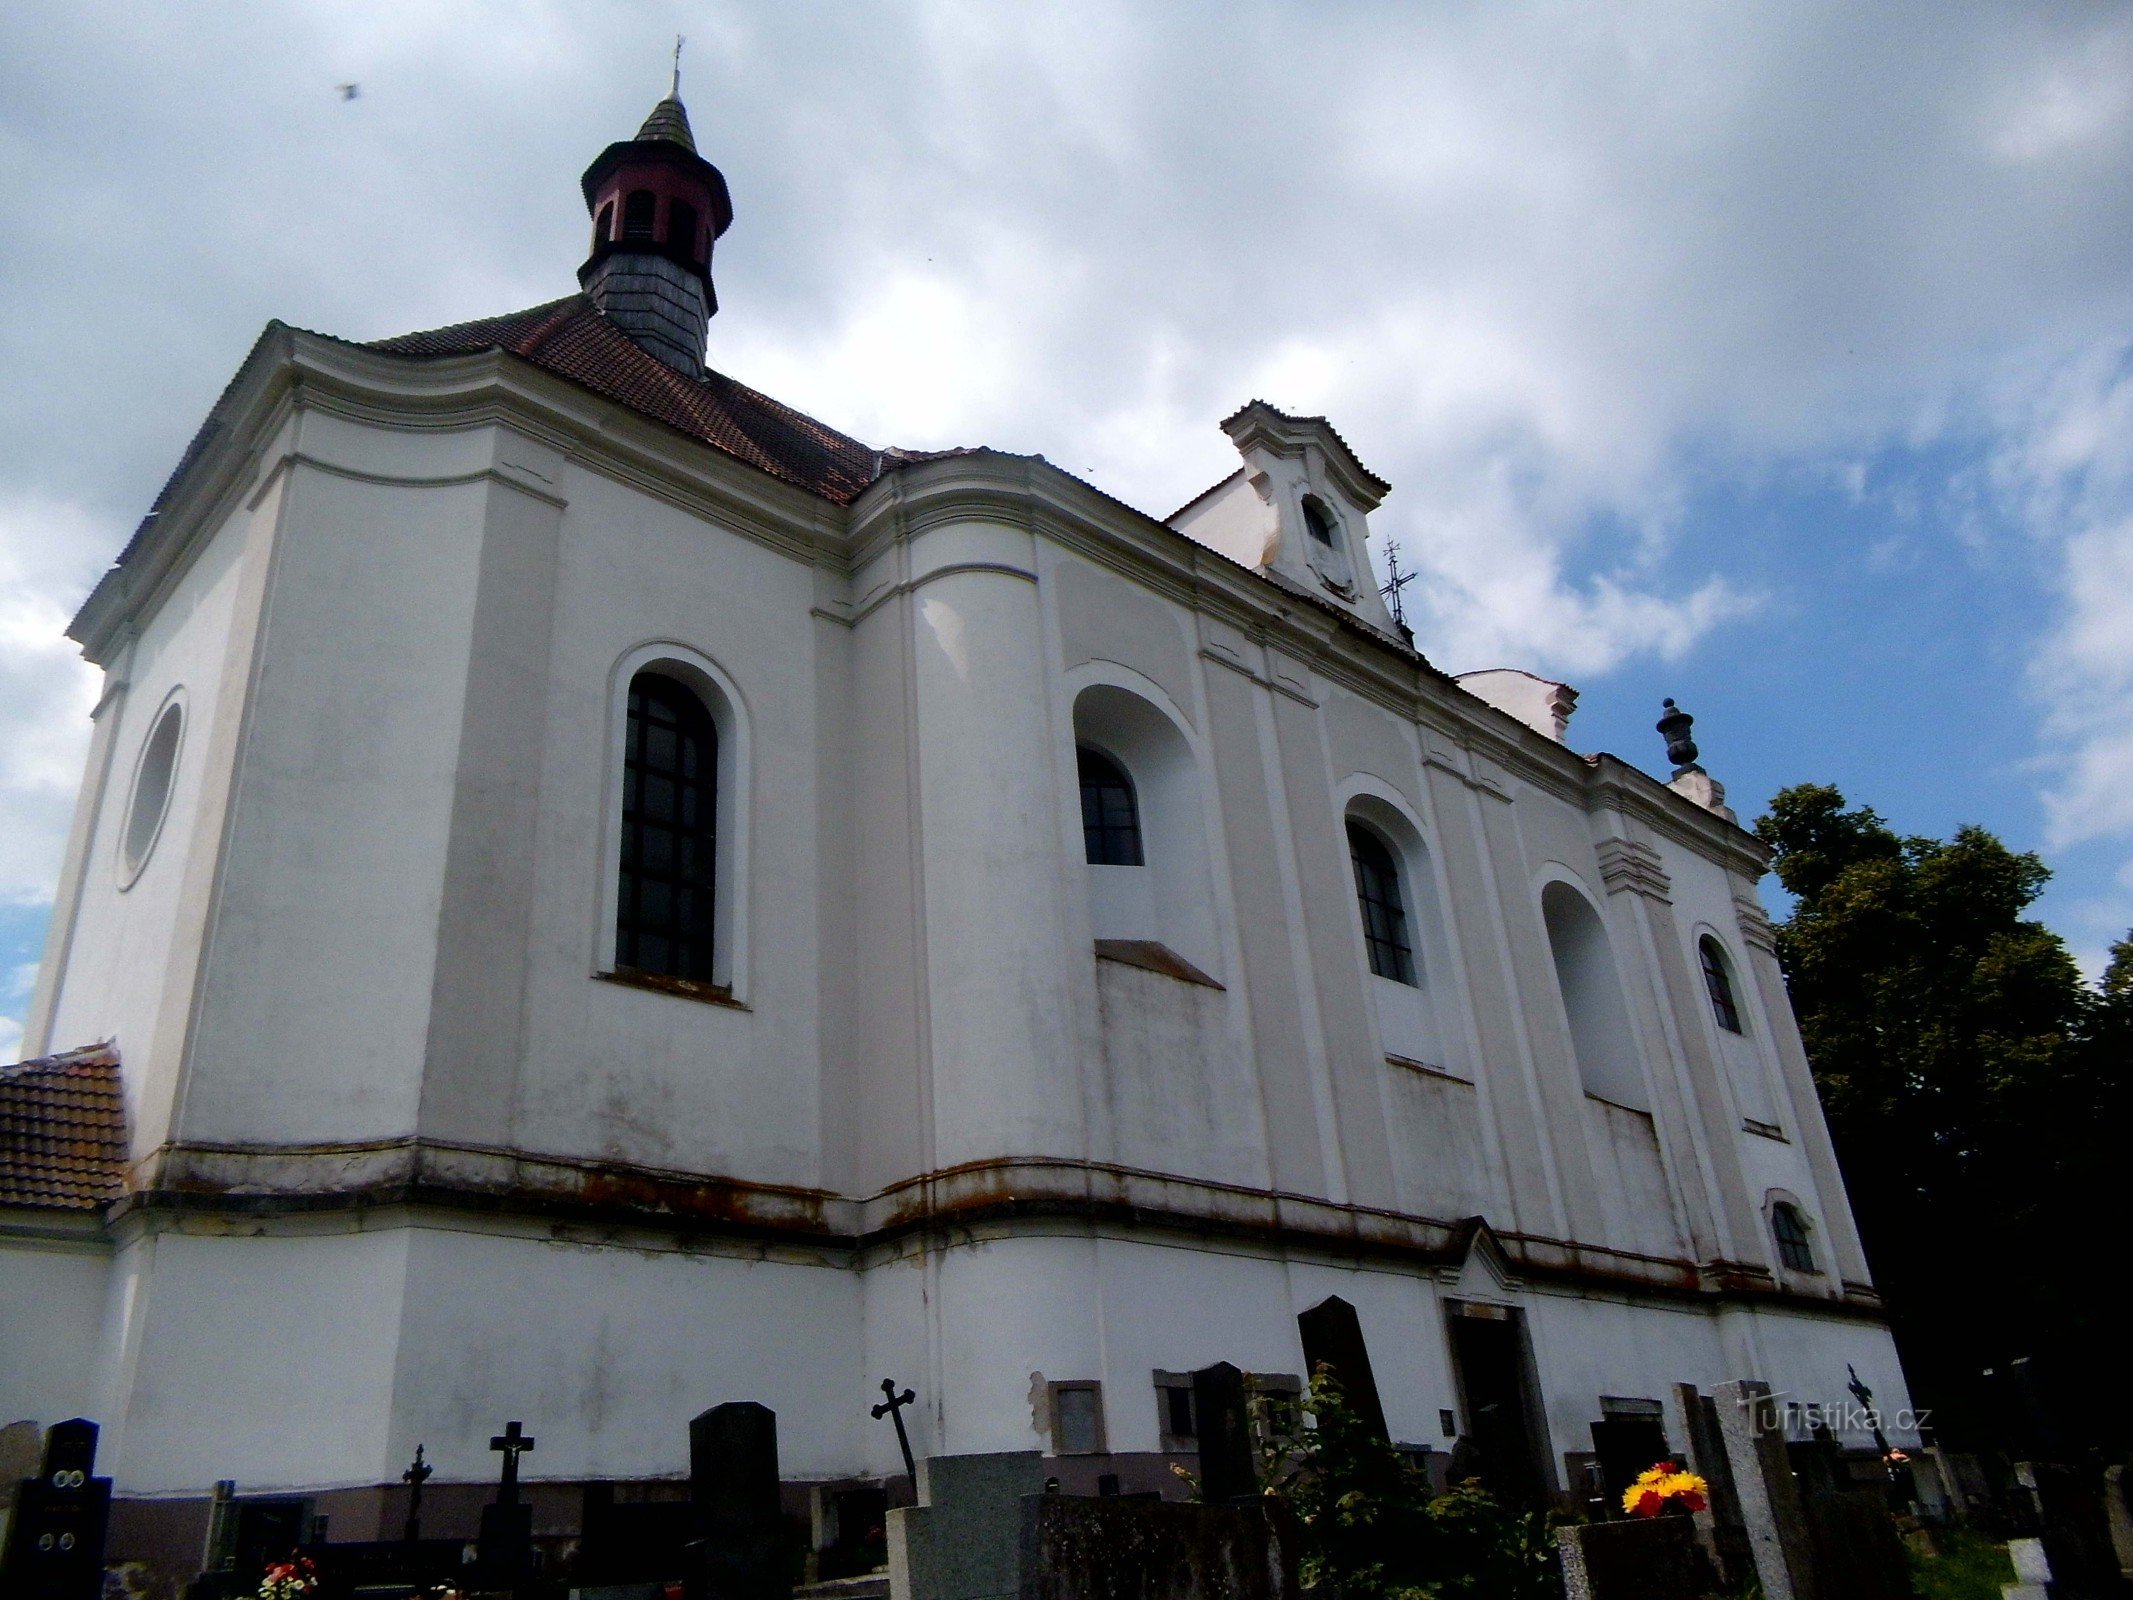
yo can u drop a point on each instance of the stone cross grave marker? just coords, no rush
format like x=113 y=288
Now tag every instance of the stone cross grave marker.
x=55 y=1542
x=1333 y=1339
x=1227 y=1472
x=739 y=1549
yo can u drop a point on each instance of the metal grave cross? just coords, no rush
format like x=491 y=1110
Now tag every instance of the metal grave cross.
x=417 y=1474
x=512 y=1443
x=893 y=1409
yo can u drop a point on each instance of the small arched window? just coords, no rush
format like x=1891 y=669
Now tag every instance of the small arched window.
x=1110 y=819
x=665 y=911
x=1319 y=521
x=681 y=227
x=1718 y=984
x=1377 y=893
x=1789 y=1228
x=604 y=225
x=639 y=214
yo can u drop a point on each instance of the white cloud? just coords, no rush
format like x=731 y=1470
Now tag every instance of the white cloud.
x=1548 y=267
x=47 y=559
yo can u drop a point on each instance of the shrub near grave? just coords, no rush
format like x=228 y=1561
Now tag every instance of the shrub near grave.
x=1373 y=1530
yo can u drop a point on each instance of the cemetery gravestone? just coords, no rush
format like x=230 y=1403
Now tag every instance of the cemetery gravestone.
x=2118 y=1509
x=504 y=1550
x=1719 y=1524
x=739 y=1552
x=55 y=1541
x=2074 y=1529
x=1124 y=1548
x=1227 y=1470
x=1333 y=1339
x=1776 y=1529
x=1623 y=1447
x=963 y=1541
x=1653 y=1558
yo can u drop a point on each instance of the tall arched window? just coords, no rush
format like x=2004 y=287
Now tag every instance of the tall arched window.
x=1789 y=1228
x=1718 y=983
x=665 y=911
x=1377 y=893
x=604 y=225
x=639 y=214
x=1110 y=820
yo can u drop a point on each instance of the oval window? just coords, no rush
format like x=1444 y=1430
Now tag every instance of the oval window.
x=151 y=788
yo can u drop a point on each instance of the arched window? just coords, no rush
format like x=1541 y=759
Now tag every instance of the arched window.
x=639 y=211
x=604 y=225
x=665 y=911
x=1377 y=892
x=1789 y=1228
x=1319 y=521
x=1718 y=984
x=1110 y=821
x=681 y=227
x=1601 y=1038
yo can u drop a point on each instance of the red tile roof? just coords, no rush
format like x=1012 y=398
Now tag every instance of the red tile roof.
x=570 y=339
x=63 y=1130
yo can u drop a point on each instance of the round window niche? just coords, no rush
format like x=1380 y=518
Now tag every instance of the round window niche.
x=152 y=781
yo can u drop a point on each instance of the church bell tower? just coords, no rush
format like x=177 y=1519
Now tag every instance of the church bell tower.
x=657 y=208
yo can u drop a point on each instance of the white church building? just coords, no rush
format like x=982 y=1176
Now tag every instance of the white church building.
x=595 y=894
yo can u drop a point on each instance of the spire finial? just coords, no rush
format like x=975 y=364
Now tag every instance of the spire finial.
x=679 y=41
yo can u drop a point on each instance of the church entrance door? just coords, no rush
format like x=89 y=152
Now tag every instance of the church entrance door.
x=1502 y=1446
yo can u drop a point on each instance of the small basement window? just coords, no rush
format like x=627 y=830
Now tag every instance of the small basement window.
x=151 y=788
x=1077 y=1419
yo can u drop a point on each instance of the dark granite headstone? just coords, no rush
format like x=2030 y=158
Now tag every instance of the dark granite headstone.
x=1624 y=1447
x=1648 y=1558
x=1725 y=1537
x=739 y=1550
x=1333 y=1338
x=1076 y=1548
x=504 y=1551
x=2074 y=1524
x=1227 y=1471
x=1858 y=1554
x=55 y=1545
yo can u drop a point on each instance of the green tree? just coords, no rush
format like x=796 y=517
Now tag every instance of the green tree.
x=1975 y=1087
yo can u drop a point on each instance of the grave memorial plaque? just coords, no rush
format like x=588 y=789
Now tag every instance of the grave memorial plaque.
x=55 y=1545
x=1333 y=1338
x=739 y=1549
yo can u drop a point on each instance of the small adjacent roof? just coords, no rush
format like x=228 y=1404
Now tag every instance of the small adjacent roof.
x=570 y=339
x=63 y=1131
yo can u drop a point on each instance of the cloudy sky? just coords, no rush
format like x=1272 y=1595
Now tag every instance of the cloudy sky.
x=1776 y=358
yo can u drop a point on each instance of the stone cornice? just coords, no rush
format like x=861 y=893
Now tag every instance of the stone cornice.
x=1009 y=1195
x=289 y=370
x=1627 y=867
x=1756 y=930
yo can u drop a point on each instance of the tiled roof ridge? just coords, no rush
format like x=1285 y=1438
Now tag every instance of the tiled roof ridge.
x=572 y=340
